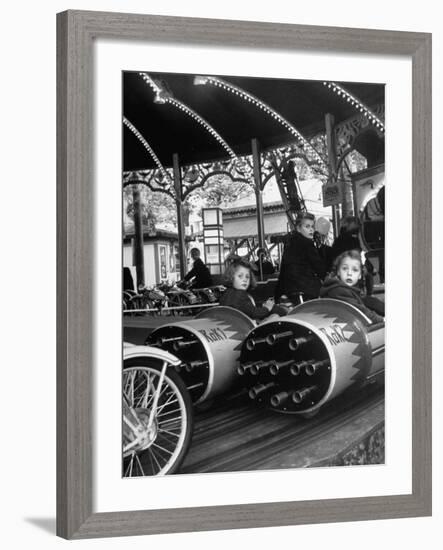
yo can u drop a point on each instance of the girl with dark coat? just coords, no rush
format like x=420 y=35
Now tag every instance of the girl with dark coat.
x=348 y=239
x=239 y=278
x=303 y=267
x=343 y=285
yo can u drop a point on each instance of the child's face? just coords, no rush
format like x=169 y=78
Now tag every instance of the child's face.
x=349 y=271
x=306 y=228
x=241 y=279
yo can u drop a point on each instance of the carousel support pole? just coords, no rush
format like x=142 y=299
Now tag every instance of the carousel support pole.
x=139 y=257
x=180 y=214
x=348 y=202
x=332 y=156
x=258 y=192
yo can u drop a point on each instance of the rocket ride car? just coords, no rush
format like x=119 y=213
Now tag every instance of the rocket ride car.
x=300 y=362
x=294 y=364
x=208 y=347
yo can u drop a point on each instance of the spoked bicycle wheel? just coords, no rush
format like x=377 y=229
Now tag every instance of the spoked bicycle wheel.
x=157 y=418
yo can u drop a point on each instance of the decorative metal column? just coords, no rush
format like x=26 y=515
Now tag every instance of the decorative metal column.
x=332 y=157
x=138 y=251
x=180 y=214
x=258 y=192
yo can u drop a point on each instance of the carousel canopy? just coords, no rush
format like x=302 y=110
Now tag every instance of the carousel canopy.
x=169 y=129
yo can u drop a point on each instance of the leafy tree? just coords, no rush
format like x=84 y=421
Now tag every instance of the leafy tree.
x=217 y=190
x=157 y=208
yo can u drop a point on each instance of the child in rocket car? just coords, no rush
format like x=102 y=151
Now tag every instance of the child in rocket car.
x=239 y=278
x=343 y=285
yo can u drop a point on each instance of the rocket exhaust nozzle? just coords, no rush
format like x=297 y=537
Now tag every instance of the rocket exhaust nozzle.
x=296 y=343
x=259 y=389
x=274 y=337
x=184 y=344
x=279 y=399
x=252 y=343
x=312 y=368
x=297 y=367
x=244 y=367
x=279 y=365
x=191 y=365
x=300 y=395
x=257 y=367
x=162 y=340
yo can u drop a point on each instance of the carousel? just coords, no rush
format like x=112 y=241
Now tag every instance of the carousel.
x=206 y=389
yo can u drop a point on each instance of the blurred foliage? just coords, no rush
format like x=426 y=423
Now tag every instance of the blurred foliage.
x=157 y=208
x=217 y=190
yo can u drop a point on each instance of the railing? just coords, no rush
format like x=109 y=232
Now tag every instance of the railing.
x=169 y=309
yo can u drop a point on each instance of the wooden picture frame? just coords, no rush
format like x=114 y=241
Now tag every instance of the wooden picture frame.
x=76 y=32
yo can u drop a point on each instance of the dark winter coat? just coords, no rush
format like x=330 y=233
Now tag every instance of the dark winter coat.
x=201 y=273
x=241 y=300
x=334 y=288
x=302 y=268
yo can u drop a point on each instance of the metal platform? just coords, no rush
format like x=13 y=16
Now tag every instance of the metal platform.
x=235 y=435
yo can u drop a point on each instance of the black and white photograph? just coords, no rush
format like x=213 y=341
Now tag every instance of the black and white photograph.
x=214 y=205
x=253 y=271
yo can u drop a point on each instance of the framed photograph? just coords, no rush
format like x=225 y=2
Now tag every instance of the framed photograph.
x=164 y=104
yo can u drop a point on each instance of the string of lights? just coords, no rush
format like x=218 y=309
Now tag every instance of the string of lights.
x=162 y=96
x=146 y=145
x=372 y=117
x=216 y=81
x=205 y=125
x=151 y=82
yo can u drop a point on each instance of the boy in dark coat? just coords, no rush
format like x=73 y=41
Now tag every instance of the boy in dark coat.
x=302 y=267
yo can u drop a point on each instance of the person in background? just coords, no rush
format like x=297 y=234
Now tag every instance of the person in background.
x=199 y=272
x=264 y=264
x=302 y=267
x=238 y=279
x=321 y=240
x=343 y=285
x=348 y=237
x=128 y=281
